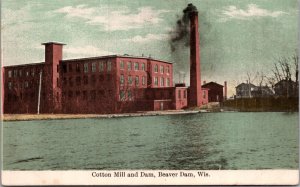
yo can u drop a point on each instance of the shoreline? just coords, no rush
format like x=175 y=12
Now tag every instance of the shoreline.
x=33 y=117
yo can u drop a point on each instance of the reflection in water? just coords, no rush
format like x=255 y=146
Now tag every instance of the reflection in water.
x=194 y=141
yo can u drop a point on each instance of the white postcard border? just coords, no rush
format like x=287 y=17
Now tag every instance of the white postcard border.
x=138 y=177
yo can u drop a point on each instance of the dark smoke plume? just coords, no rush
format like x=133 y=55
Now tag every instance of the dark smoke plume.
x=182 y=30
x=180 y=38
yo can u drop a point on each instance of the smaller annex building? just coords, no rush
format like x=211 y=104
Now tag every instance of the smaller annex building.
x=105 y=84
x=215 y=91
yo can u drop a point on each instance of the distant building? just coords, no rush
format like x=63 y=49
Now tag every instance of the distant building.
x=215 y=91
x=286 y=88
x=263 y=91
x=244 y=90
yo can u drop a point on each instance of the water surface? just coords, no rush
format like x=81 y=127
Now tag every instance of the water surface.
x=193 y=141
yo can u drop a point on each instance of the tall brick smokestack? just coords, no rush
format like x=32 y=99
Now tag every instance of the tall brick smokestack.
x=195 y=94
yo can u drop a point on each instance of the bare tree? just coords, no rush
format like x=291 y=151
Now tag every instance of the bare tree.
x=250 y=78
x=296 y=66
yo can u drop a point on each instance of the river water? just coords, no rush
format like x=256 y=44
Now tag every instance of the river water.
x=191 y=141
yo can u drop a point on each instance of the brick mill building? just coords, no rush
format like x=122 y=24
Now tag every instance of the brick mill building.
x=105 y=84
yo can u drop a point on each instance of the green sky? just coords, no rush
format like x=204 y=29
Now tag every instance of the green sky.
x=236 y=35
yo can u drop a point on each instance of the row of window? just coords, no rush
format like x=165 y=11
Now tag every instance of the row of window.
x=22 y=85
x=88 y=67
x=85 y=80
x=162 y=69
x=92 y=94
x=130 y=80
x=180 y=94
x=136 y=66
x=22 y=96
x=21 y=73
x=126 y=95
x=163 y=81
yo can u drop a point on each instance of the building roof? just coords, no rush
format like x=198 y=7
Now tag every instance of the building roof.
x=285 y=81
x=57 y=43
x=92 y=58
x=212 y=84
x=245 y=84
x=20 y=65
x=115 y=56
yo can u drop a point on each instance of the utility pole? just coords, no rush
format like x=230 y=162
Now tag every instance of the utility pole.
x=39 y=96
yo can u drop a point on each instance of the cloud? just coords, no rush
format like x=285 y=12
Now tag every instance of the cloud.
x=148 y=38
x=112 y=20
x=253 y=11
x=86 y=51
x=80 y=11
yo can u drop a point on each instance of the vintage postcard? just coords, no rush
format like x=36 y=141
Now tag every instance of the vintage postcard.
x=149 y=92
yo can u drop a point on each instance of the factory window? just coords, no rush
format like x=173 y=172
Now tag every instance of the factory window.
x=70 y=67
x=162 y=81
x=109 y=66
x=122 y=79
x=168 y=81
x=143 y=80
x=70 y=81
x=78 y=80
x=26 y=84
x=20 y=73
x=94 y=67
x=129 y=95
x=15 y=73
x=64 y=67
x=108 y=77
x=156 y=81
x=93 y=79
x=101 y=66
x=9 y=85
x=137 y=80
x=70 y=94
x=136 y=66
x=156 y=68
x=129 y=66
x=161 y=69
x=86 y=67
x=179 y=94
x=93 y=94
x=84 y=95
x=167 y=69
x=143 y=67
x=101 y=78
x=184 y=94
x=129 y=79
x=32 y=72
x=27 y=73
x=122 y=95
x=64 y=81
x=121 y=64
x=100 y=93
x=77 y=67
x=9 y=73
x=85 y=80
x=204 y=95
